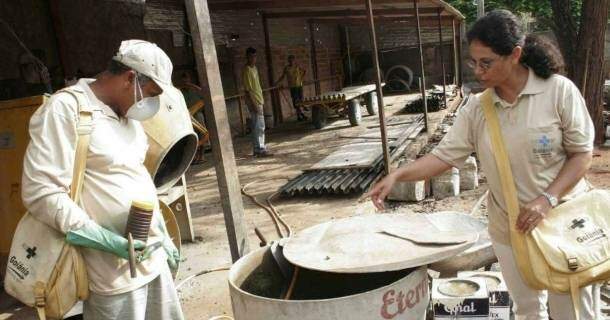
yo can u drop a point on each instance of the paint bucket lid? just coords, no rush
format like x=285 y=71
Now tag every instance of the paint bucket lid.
x=458 y=288
x=143 y=205
x=382 y=242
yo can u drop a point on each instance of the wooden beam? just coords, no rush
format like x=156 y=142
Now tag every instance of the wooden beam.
x=348 y=13
x=60 y=39
x=284 y=4
x=440 y=48
x=276 y=105
x=314 y=57
x=380 y=105
x=427 y=21
x=421 y=61
x=220 y=132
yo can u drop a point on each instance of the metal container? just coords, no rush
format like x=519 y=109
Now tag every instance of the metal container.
x=391 y=295
x=172 y=141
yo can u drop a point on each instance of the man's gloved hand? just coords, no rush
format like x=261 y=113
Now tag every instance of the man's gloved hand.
x=173 y=255
x=96 y=237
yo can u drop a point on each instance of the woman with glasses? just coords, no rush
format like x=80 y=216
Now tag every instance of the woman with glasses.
x=549 y=140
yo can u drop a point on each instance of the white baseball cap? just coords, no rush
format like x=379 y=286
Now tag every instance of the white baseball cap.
x=148 y=59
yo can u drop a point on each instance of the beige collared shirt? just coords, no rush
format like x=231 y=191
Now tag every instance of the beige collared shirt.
x=114 y=176
x=548 y=121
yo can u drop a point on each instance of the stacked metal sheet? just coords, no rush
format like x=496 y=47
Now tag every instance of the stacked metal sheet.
x=348 y=180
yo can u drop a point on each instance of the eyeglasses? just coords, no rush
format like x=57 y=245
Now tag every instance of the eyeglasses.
x=484 y=64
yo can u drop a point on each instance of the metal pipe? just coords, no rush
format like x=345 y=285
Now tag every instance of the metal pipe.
x=421 y=62
x=382 y=126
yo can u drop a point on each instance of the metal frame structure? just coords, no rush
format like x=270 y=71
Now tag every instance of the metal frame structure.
x=424 y=12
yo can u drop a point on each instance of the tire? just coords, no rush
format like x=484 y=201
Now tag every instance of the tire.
x=354 y=113
x=371 y=103
x=318 y=117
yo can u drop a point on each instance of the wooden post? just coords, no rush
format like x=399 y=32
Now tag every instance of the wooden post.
x=459 y=54
x=276 y=105
x=346 y=52
x=380 y=105
x=242 y=122
x=235 y=74
x=440 y=48
x=220 y=132
x=421 y=63
x=60 y=38
x=314 y=57
x=455 y=53
x=349 y=56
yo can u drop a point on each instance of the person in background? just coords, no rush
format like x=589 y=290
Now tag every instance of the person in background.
x=549 y=140
x=294 y=75
x=254 y=102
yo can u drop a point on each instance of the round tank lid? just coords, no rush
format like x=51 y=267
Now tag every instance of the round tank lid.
x=382 y=242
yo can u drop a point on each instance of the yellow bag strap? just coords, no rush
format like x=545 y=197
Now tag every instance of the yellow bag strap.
x=511 y=200
x=501 y=156
x=84 y=127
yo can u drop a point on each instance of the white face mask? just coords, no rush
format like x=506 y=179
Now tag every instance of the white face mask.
x=144 y=109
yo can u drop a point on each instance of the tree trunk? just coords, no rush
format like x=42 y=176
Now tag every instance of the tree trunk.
x=584 y=54
x=564 y=27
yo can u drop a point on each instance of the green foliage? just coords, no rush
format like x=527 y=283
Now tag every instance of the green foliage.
x=539 y=9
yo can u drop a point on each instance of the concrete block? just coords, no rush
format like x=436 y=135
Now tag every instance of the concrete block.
x=469 y=176
x=408 y=191
x=608 y=132
x=446 y=185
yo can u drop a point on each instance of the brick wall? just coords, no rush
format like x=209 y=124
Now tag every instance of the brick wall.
x=287 y=36
x=397 y=44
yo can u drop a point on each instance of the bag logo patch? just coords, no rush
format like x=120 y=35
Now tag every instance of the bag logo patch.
x=586 y=232
x=31 y=252
x=577 y=223
x=18 y=268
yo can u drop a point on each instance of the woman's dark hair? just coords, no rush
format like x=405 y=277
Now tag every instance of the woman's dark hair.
x=500 y=30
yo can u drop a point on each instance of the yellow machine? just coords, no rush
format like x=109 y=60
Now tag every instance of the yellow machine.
x=14 y=119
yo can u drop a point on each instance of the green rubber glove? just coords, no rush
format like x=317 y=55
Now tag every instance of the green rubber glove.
x=173 y=255
x=96 y=237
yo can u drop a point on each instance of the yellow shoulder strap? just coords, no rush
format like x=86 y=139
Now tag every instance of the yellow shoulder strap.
x=84 y=126
x=509 y=190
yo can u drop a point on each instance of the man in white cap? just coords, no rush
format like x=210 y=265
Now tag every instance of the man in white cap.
x=125 y=94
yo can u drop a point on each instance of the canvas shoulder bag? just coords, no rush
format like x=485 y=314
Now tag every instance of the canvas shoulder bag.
x=570 y=248
x=44 y=271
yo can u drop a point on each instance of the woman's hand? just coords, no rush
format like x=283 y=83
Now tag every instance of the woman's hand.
x=381 y=190
x=532 y=214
